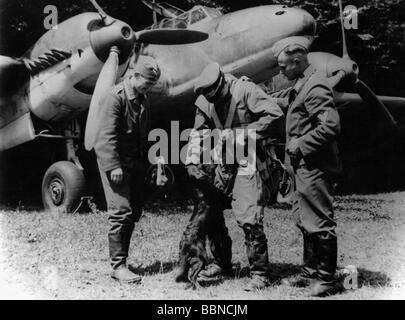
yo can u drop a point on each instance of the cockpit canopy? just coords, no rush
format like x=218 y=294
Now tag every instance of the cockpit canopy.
x=187 y=19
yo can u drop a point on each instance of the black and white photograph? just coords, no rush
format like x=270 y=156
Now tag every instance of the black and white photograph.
x=202 y=150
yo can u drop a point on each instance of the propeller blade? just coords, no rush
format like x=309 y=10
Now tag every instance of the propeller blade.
x=345 y=54
x=170 y=36
x=100 y=10
x=370 y=97
x=105 y=82
x=154 y=15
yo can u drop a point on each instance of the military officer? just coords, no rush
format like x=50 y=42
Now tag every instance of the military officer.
x=226 y=102
x=120 y=155
x=312 y=125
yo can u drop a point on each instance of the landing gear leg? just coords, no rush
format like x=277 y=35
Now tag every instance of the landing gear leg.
x=64 y=184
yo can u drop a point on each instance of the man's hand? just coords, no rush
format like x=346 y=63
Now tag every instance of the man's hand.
x=116 y=176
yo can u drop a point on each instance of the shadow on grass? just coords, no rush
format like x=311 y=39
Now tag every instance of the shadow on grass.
x=279 y=271
x=155 y=268
x=372 y=278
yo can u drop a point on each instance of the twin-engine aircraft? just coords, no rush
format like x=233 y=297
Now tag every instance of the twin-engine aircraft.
x=69 y=70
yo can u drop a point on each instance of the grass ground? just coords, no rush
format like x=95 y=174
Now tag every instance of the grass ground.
x=48 y=255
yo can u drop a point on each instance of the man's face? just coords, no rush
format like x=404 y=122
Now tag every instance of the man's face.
x=143 y=85
x=288 y=66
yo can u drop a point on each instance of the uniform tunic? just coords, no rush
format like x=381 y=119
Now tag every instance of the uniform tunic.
x=121 y=143
x=255 y=110
x=313 y=122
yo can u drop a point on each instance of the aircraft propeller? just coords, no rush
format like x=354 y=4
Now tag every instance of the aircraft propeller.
x=345 y=54
x=369 y=96
x=359 y=86
x=105 y=82
x=100 y=11
x=120 y=41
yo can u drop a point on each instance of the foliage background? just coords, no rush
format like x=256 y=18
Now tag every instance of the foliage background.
x=378 y=45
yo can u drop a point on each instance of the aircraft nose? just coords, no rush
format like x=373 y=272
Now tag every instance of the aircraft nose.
x=263 y=25
x=286 y=21
x=117 y=33
x=279 y=22
x=248 y=36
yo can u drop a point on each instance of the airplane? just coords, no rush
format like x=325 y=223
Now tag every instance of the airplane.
x=62 y=75
x=243 y=48
x=54 y=70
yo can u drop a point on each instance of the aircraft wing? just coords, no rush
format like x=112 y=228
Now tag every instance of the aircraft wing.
x=352 y=105
x=396 y=105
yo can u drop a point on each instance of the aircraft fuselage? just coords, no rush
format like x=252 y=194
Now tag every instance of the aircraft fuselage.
x=240 y=42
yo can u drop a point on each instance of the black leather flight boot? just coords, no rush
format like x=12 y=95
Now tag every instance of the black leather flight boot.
x=325 y=283
x=118 y=247
x=257 y=252
x=310 y=264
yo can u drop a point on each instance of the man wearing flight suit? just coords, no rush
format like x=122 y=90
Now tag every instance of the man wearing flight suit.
x=120 y=150
x=312 y=124
x=226 y=102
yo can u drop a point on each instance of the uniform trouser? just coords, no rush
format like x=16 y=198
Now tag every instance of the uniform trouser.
x=207 y=221
x=248 y=201
x=124 y=202
x=313 y=212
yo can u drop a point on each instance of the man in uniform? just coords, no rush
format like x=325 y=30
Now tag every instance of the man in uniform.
x=312 y=124
x=226 y=102
x=120 y=155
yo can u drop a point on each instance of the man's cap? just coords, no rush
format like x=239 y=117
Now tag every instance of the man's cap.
x=209 y=80
x=291 y=43
x=148 y=68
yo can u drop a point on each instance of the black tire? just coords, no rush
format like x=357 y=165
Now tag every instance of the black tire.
x=62 y=187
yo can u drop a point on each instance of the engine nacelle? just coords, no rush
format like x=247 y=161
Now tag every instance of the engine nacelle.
x=331 y=64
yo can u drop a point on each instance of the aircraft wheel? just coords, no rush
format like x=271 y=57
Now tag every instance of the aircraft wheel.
x=62 y=186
